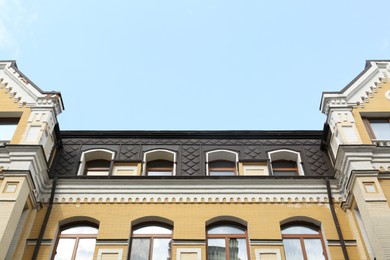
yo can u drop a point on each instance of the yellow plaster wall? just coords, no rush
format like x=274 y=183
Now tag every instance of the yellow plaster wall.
x=7 y=104
x=385 y=185
x=189 y=219
x=378 y=103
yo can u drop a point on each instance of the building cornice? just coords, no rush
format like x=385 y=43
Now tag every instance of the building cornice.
x=201 y=190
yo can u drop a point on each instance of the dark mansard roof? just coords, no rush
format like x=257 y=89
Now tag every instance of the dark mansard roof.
x=191 y=146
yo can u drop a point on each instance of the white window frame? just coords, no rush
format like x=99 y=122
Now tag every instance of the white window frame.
x=84 y=157
x=219 y=156
x=286 y=154
x=145 y=159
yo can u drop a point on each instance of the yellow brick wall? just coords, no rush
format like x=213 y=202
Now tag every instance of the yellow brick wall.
x=385 y=185
x=7 y=104
x=189 y=219
x=378 y=103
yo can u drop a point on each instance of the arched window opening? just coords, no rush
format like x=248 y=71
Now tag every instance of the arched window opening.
x=159 y=168
x=286 y=163
x=151 y=242
x=76 y=241
x=96 y=162
x=227 y=241
x=303 y=241
x=221 y=163
x=222 y=168
x=97 y=167
x=159 y=163
x=284 y=168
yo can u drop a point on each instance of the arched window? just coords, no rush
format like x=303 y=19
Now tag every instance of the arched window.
x=159 y=163
x=285 y=163
x=227 y=241
x=76 y=241
x=96 y=162
x=284 y=168
x=221 y=163
x=151 y=242
x=303 y=240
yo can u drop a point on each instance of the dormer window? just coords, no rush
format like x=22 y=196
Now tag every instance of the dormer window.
x=159 y=163
x=285 y=163
x=159 y=168
x=221 y=163
x=284 y=168
x=222 y=168
x=7 y=129
x=97 y=167
x=96 y=162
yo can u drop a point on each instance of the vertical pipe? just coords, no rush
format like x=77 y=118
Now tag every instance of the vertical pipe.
x=44 y=224
x=336 y=221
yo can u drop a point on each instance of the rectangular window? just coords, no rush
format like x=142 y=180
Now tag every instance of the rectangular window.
x=378 y=128
x=7 y=128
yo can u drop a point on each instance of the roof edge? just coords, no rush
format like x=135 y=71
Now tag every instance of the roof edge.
x=286 y=134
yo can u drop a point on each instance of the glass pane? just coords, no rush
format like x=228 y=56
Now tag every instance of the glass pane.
x=314 y=249
x=80 y=230
x=221 y=164
x=153 y=230
x=284 y=164
x=237 y=249
x=159 y=173
x=226 y=230
x=65 y=249
x=85 y=249
x=299 y=230
x=7 y=131
x=216 y=249
x=284 y=173
x=292 y=249
x=381 y=129
x=161 y=249
x=221 y=173
x=140 y=249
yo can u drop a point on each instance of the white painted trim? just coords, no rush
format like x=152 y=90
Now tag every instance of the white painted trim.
x=118 y=251
x=258 y=253
x=144 y=161
x=198 y=251
x=199 y=191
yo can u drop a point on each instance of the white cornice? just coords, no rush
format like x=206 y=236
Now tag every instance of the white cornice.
x=23 y=92
x=191 y=191
x=360 y=91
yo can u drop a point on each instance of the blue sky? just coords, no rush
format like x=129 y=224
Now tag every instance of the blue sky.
x=193 y=65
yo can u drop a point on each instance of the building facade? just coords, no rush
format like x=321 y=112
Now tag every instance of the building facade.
x=184 y=195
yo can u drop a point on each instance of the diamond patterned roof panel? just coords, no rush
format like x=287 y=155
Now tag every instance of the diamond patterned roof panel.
x=190 y=151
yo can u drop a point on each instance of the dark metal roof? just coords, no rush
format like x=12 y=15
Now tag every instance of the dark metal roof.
x=191 y=147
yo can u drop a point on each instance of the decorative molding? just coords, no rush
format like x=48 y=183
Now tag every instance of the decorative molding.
x=23 y=91
x=191 y=191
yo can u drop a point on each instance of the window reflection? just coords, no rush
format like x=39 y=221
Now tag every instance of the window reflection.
x=227 y=242
x=222 y=168
x=76 y=242
x=151 y=242
x=303 y=242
